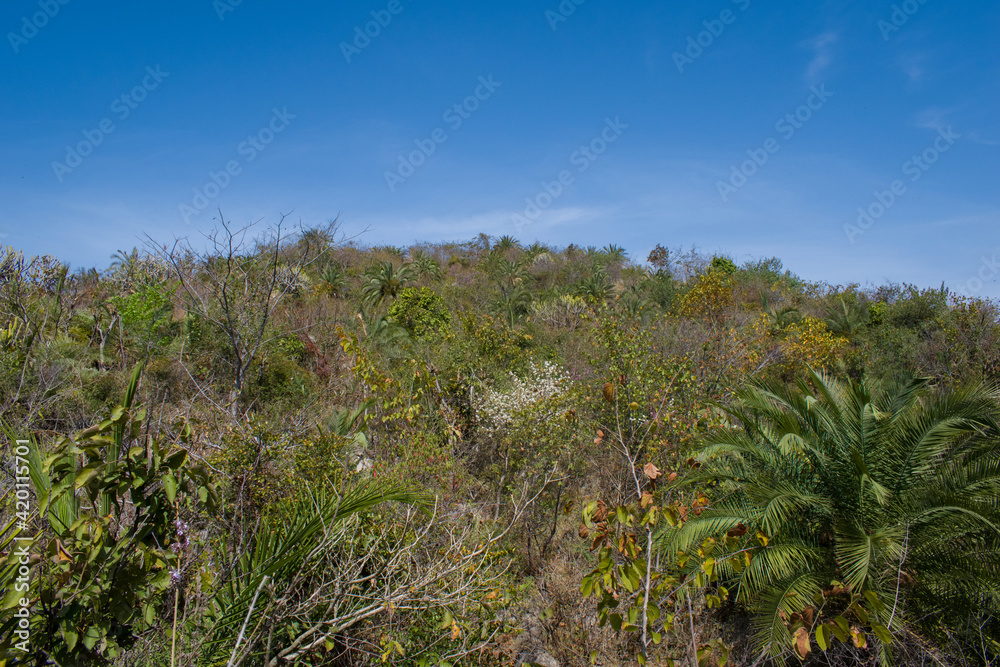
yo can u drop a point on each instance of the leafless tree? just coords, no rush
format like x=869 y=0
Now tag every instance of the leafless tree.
x=237 y=280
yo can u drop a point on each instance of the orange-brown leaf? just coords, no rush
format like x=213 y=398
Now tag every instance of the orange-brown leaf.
x=802 y=645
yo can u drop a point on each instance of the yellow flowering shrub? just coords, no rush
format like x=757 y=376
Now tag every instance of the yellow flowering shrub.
x=809 y=342
x=710 y=298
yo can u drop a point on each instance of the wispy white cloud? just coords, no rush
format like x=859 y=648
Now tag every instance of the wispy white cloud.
x=977 y=137
x=822 y=47
x=496 y=222
x=914 y=66
x=933 y=118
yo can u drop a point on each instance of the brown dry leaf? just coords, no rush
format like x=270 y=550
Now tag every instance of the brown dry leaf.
x=802 y=645
x=651 y=471
x=646 y=500
x=671 y=477
x=609 y=392
x=739 y=531
x=584 y=532
x=808 y=614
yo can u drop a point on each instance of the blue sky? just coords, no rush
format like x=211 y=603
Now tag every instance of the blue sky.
x=668 y=102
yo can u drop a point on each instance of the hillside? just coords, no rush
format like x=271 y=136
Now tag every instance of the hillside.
x=287 y=447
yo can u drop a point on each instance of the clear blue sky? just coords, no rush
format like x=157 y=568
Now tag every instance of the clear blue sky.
x=200 y=78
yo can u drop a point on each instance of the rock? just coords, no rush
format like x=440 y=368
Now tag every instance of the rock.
x=545 y=659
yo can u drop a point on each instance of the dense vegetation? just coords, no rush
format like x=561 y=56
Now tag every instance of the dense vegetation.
x=281 y=447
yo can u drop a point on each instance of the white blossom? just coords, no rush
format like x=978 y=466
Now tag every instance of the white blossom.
x=495 y=409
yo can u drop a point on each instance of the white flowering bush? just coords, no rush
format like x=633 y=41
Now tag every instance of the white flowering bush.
x=496 y=409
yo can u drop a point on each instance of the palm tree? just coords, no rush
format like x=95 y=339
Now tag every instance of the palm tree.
x=595 y=289
x=511 y=279
x=516 y=302
x=385 y=281
x=779 y=319
x=614 y=254
x=125 y=265
x=885 y=487
x=334 y=277
x=633 y=304
x=505 y=243
x=536 y=249
x=425 y=265
x=388 y=336
x=847 y=319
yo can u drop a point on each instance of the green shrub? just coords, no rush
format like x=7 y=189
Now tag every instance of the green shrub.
x=109 y=536
x=421 y=312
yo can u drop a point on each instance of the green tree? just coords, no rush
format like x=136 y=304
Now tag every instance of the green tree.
x=723 y=265
x=421 y=312
x=856 y=505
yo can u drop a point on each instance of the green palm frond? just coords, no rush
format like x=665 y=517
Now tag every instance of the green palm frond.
x=867 y=483
x=784 y=596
